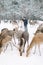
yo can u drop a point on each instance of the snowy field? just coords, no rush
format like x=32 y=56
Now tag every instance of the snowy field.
x=11 y=57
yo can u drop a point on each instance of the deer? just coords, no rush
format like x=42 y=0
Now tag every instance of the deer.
x=23 y=37
x=33 y=22
x=37 y=40
x=8 y=34
x=5 y=37
x=39 y=29
x=3 y=41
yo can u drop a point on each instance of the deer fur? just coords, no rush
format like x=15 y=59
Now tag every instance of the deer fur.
x=23 y=37
x=5 y=36
x=37 y=40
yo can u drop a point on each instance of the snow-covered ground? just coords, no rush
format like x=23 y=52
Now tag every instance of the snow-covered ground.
x=11 y=57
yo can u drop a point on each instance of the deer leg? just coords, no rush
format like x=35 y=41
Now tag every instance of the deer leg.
x=27 y=48
x=20 y=53
x=1 y=50
x=15 y=46
x=24 y=46
x=21 y=49
x=27 y=52
x=6 y=47
x=39 y=50
x=14 y=40
x=11 y=46
x=34 y=50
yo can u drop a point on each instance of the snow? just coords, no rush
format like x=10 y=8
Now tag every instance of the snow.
x=11 y=57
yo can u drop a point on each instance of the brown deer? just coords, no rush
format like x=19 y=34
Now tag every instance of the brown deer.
x=37 y=40
x=6 y=36
x=4 y=41
x=23 y=37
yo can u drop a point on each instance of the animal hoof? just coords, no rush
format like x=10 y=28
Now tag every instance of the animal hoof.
x=20 y=54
